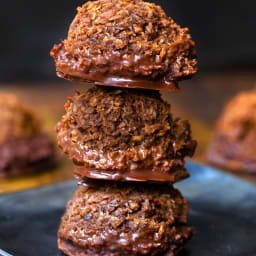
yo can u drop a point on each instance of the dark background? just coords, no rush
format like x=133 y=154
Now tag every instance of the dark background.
x=225 y=33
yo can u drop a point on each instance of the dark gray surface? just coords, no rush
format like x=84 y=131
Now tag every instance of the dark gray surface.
x=224 y=32
x=223 y=211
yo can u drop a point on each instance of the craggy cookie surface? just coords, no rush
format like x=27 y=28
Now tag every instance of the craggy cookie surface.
x=128 y=43
x=124 y=134
x=115 y=218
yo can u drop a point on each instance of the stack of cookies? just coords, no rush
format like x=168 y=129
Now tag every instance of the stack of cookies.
x=127 y=148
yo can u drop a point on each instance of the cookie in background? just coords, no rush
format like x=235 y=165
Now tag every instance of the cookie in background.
x=24 y=147
x=234 y=144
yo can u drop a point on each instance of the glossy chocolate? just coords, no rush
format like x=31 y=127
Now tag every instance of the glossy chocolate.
x=129 y=175
x=72 y=70
x=127 y=44
x=126 y=131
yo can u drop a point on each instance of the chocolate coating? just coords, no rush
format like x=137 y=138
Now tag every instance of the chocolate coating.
x=24 y=148
x=124 y=134
x=115 y=218
x=233 y=146
x=127 y=43
x=20 y=156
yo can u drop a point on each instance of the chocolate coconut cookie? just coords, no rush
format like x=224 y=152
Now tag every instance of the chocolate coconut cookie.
x=121 y=138
x=233 y=146
x=124 y=134
x=128 y=43
x=115 y=218
x=24 y=148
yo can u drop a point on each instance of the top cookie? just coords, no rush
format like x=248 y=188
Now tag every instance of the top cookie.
x=126 y=43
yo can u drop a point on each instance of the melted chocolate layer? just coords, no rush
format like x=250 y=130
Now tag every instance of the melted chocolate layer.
x=127 y=132
x=69 y=69
x=129 y=175
x=128 y=44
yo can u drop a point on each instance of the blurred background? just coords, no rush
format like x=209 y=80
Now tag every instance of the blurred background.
x=224 y=32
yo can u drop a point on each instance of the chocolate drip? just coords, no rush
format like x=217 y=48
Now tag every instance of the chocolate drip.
x=141 y=175
x=70 y=69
